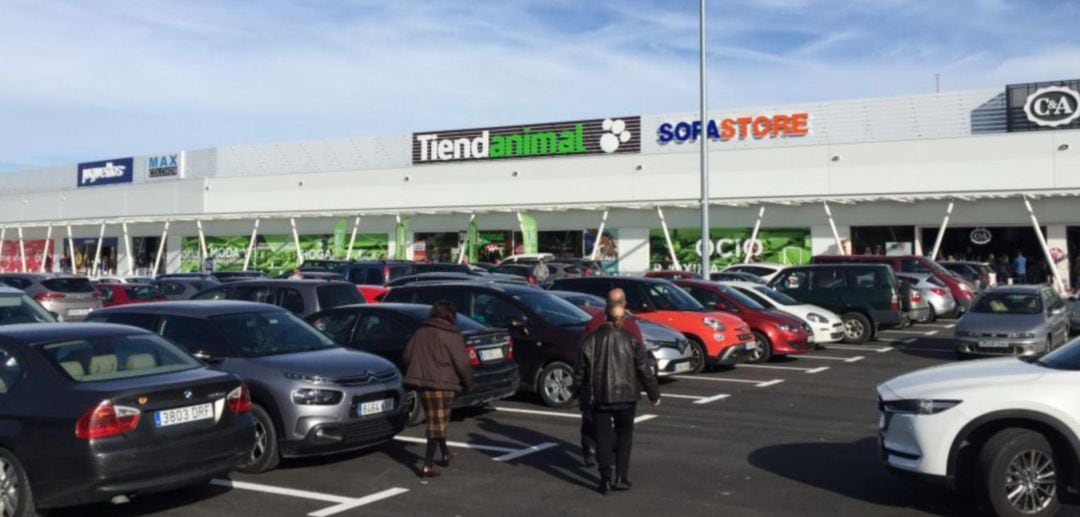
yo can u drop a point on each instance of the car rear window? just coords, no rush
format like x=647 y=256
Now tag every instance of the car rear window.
x=331 y=296
x=143 y=292
x=19 y=308
x=68 y=285
x=117 y=357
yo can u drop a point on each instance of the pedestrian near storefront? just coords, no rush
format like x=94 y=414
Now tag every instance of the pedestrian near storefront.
x=296 y=274
x=437 y=367
x=1020 y=268
x=612 y=370
x=540 y=271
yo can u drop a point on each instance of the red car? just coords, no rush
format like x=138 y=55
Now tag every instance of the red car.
x=126 y=294
x=775 y=333
x=673 y=275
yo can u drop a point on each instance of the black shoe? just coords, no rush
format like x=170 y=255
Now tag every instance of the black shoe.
x=589 y=459
x=621 y=483
x=605 y=486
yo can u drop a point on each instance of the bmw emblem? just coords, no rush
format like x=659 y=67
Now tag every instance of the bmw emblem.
x=187 y=394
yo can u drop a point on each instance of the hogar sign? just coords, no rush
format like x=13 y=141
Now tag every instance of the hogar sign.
x=758 y=127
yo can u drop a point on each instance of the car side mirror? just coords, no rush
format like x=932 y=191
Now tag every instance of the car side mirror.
x=206 y=357
x=520 y=327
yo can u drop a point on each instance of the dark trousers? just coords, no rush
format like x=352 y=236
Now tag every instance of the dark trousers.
x=588 y=434
x=614 y=428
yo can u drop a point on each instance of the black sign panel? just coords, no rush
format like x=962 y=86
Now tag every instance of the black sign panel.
x=558 y=139
x=1042 y=106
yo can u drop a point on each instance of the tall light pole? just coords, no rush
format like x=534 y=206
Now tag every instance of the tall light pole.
x=703 y=139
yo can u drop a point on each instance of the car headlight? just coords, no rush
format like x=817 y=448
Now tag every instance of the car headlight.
x=1022 y=335
x=920 y=406
x=713 y=322
x=651 y=345
x=786 y=328
x=316 y=397
x=314 y=379
x=817 y=318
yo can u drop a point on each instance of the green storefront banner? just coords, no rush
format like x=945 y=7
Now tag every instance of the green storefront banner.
x=273 y=254
x=340 y=228
x=472 y=238
x=401 y=239
x=530 y=240
x=730 y=245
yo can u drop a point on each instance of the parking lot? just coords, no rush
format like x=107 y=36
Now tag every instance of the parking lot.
x=794 y=436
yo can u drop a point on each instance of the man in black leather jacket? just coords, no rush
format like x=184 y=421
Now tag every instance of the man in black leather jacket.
x=610 y=374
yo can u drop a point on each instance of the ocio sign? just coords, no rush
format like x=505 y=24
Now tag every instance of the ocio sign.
x=1053 y=106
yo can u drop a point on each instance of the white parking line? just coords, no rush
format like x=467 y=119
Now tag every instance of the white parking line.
x=509 y=453
x=916 y=332
x=524 y=452
x=834 y=358
x=757 y=384
x=642 y=418
x=713 y=398
x=792 y=368
x=341 y=503
x=950 y=326
x=860 y=348
x=677 y=396
x=537 y=412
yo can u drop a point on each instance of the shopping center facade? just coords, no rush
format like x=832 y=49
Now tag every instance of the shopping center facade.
x=888 y=170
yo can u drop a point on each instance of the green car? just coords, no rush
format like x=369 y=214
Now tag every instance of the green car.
x=866 y=296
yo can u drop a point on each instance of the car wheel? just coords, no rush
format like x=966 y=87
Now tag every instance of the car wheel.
x=857 y=328
x=762 y=350
x=1017 y=474
x=932 y=316
x=556 y=385
x=16 y=499
x=413 y=409
x=264 y=454
x=698 y=355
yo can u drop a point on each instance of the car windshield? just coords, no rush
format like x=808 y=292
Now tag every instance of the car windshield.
x=553 y=309
x=1008 y=303
x=19 y=308
x=775 y=295
x=336 y=295
x=668 y=297
x=742 y=299
x=117 y=357
x=583 y=300
x=1066 y=357
x=257 y=334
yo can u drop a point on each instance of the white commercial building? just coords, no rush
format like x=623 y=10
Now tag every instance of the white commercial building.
x=888 y=169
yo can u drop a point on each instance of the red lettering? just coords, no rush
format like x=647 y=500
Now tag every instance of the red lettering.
x=798 y=124
x=780 y=125
x=727 y=129
x=762 y=127
x=744 y=122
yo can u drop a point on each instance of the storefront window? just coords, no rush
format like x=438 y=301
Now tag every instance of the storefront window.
x=436 y=247
x=883 y=240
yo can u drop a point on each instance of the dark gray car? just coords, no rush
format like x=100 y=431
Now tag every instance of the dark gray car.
x=1014 y=320
x=181 y=287
x=310 y=396
x=300 y=297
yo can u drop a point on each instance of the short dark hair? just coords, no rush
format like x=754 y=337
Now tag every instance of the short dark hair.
x=443 y=310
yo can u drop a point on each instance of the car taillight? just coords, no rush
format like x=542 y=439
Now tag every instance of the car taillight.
x=105 y=420
x=895 y=304
x=531 y=279
x=49 y=295
x=916 y=297
x=938 y=291
x=239 y=399
x=510 y=348
x=473 y=358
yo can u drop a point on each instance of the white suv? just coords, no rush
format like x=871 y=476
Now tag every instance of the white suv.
x=1008 y=429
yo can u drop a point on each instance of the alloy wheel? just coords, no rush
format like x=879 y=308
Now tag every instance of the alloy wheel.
x=757 y=351
x=854 y=329
x=9 y=488
x=695 y=357
x=261 y=442
x=1031 y=481
x=558 y=385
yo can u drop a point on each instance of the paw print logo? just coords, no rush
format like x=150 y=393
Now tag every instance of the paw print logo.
x=615 y=133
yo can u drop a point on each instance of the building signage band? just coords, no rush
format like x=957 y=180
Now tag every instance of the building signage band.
x=105 y=172
x=165 y=166
x=578 y=137
x=1043 y=106
x=757 y=127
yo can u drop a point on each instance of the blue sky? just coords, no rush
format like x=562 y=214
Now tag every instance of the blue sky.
x=83 y=80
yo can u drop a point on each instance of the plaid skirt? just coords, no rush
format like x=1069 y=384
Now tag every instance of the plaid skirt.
x=436 y=404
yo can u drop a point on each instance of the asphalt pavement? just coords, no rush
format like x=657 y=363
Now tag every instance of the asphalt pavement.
x=792 y=437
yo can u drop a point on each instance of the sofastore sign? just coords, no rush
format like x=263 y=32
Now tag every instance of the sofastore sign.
x=778 y=125
x=105 y=172
x=581 y=137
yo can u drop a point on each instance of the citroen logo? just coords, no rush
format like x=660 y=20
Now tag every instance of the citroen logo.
x=187 y=394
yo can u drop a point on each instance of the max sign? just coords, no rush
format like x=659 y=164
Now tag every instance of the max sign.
x=105 y=172
x=1053 y=106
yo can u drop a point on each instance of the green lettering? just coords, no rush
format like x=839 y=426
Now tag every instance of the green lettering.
x=579 y=138
x=497 y=149
x=545 y=143
x=514 y=145
x=566 y=142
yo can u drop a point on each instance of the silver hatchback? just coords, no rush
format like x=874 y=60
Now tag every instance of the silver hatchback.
x=70 y=298
x=1014 y=320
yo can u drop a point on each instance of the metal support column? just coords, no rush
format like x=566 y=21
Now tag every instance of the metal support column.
x=45 y=252
x=71 y=250
x=941 y=232
x=703 y=140
x=836 y=235
x=97 y=252
x=22 y=252
x=1058 y=284
x=160 y=250
x=463 y=246
x=753 y=236
x=202 y=245
x=671 y=247
x=599 y=235
x=352 y=238
x=296 y=242
x=251 y=244
x=127 y=250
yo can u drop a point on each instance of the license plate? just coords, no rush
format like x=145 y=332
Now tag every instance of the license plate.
x=810 y=338
x=375 y=407
x=183 y=415
x=994 y=344
x=682 y=367
x=491 y=354
x=78 y=312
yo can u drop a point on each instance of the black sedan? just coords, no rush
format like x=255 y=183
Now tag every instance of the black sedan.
x=95 y=412
x=385 y=328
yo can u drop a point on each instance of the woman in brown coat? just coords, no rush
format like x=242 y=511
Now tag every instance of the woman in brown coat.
x=437 y=366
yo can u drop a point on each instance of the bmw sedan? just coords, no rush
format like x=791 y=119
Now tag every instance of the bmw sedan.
x=96 y=413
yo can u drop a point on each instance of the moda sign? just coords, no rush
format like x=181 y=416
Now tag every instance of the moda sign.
x=105 y=172
x=1039 y=106
x=579 y=137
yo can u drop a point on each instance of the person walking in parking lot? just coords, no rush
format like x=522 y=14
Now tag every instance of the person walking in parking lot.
x=610 y=373
x=437 y=366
